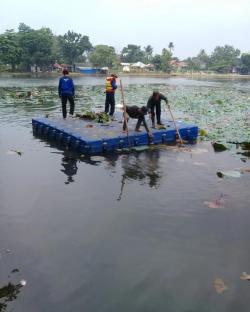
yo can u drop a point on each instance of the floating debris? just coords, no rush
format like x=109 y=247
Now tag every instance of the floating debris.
x=14 y=152
x=119 y=150
x=195 y=150
x=199 y=163
x=220 y=285
x=97 y=158
x=161 y=127
x=219 y=147
x=245 y=277
x=180 y=160
x=23 y=282
x=229 y=174
x=203 y=132
x=140 y=148
x=243 y=170
x=14 y=271
x=217 y=203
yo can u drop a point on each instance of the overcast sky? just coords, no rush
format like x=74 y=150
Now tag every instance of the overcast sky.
x=191 y=25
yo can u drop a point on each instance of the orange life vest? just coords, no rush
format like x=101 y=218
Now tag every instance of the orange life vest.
x=109 y=87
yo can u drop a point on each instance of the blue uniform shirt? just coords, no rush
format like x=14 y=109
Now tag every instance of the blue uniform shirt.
x=66 y=86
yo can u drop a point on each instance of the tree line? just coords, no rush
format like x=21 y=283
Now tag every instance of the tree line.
x=19 y=50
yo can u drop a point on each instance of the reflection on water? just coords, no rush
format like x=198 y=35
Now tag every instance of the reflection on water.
x=140 y=166
x=143 y=167
x=69 y=163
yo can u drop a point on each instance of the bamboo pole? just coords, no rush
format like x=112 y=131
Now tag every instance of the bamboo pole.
x=125 y=113
x=176 y=128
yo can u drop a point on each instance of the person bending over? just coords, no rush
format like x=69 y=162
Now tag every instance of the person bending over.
x=154 y=103
x=139 y=113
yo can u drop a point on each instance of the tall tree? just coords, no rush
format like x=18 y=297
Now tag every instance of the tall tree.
x=56 y=51
x=203 y=59
x=245 y=61
x=224 y=58
x=156 y=61
x=132 y=54
x=193 y=63
x=36 y=46
x=171 y=46
x=73 y=46
x=10 y=52
x=148 y=54
x=165 y=60
x=103 y=56
x=22 y=28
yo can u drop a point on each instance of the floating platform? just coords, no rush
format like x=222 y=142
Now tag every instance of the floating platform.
x=91 y=137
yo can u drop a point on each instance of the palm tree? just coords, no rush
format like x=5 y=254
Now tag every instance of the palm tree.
x=148 y=51
x=171 y=46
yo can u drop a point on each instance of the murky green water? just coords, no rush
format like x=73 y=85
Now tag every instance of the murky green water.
x=147 y=231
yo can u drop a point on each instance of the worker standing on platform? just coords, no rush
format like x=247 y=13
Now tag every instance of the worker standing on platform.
x=154 y=103
x=111 y=86
x=66 y=91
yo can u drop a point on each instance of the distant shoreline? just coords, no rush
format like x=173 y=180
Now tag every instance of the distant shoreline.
x=146 y=74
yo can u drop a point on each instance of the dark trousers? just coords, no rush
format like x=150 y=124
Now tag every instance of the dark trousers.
x=110 y=102
x=140 y=120
x=156 y=107
x=64 y=99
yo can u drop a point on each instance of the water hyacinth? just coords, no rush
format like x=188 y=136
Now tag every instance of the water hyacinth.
x=222 y=109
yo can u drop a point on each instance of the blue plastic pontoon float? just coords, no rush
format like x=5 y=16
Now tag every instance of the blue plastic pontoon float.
x=90 y=137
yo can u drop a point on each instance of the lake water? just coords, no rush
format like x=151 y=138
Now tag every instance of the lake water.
x=139 y=232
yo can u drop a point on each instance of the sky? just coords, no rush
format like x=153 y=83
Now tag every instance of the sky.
x=191 y=25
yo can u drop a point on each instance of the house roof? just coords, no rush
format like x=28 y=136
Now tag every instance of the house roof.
x=138 y=64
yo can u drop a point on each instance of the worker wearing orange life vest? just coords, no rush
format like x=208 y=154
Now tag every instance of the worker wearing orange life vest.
x=111 y=86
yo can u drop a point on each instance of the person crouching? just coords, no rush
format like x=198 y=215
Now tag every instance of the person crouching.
x=139 y=113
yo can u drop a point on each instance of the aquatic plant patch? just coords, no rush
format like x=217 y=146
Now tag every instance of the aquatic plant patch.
x=221 y=110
